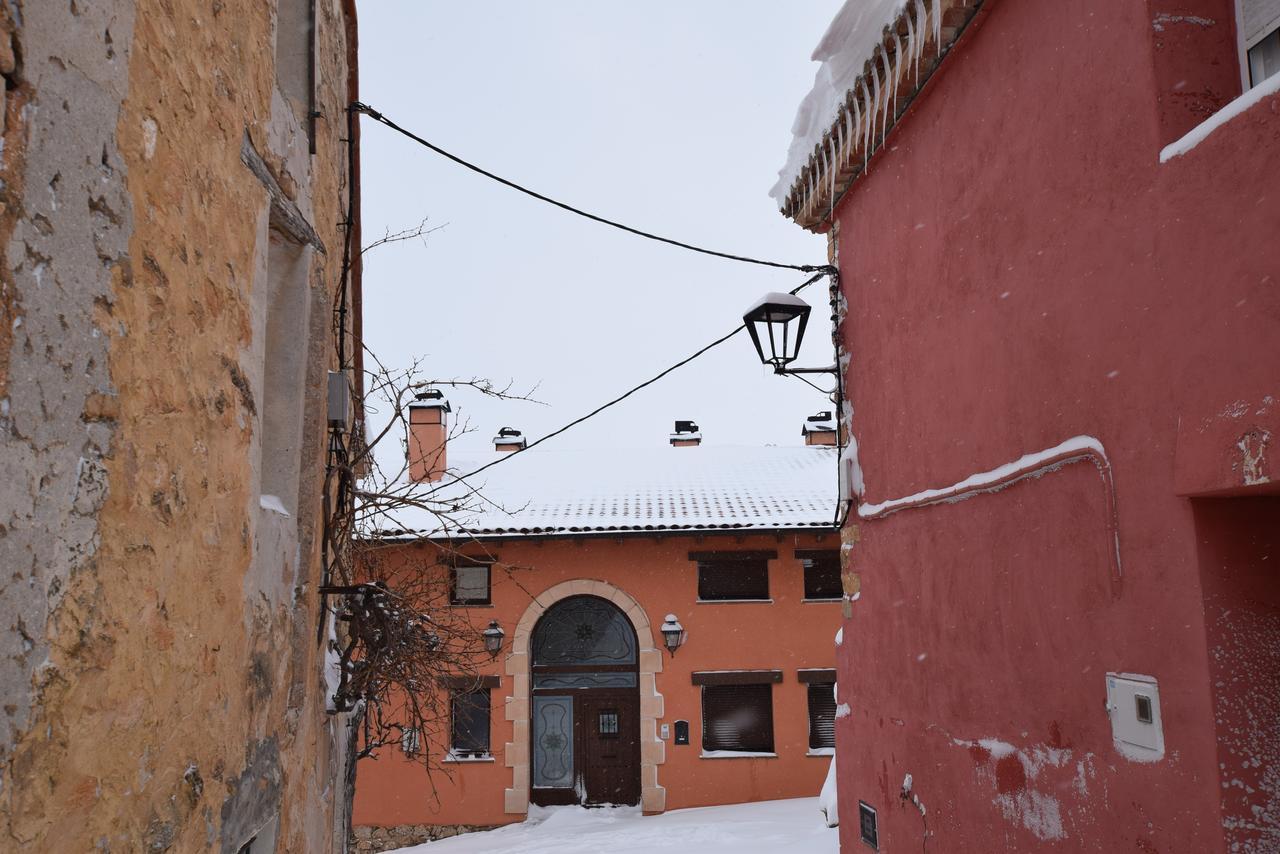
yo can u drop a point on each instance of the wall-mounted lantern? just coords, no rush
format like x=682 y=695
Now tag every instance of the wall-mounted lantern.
x=776 y=323
x=673 y=634
x=493 y=638
x=777 y=320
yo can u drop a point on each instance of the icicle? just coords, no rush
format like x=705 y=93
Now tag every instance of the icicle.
x=897 y=70
x=911 y=44
x=921 y=18
x=831 y=204
x=875 y=102
x=867 y=119
x=937 y=26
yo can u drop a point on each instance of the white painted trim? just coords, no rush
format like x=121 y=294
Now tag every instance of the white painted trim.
x=735 y=754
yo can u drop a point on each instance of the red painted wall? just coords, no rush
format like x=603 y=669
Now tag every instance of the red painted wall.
x=1020 y=269
x=786 y=634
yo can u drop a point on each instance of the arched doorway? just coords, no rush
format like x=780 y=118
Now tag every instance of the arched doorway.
x=585 y=726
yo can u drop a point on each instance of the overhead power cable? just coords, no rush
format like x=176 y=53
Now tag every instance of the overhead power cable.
x=575 y=422
x=379 y=117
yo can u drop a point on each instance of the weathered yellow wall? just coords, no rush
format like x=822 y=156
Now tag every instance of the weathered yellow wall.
x=163 y=627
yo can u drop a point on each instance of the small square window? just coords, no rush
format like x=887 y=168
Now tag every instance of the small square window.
x=821 y=574
x=1142 y=708
x=470 y=584
x=608 y=723
x=469 y=724
x=733 y=579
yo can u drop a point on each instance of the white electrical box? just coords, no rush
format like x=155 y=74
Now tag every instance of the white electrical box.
x=1133 y=703
x=666 y=731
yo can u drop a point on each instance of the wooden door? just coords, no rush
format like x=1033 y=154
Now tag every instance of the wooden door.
x=608 y=725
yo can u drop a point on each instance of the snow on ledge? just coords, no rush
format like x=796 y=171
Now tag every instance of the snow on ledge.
x=736 y=754
x=273 y=503
x=1202 y=131
x=821 y=751
x=1026 y=462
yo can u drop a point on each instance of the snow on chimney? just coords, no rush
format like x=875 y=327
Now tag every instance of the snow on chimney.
x=686 y=435
x=509 y=439
x=819 y=429
x=428 y=436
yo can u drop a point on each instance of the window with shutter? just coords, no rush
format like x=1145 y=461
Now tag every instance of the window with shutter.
x=469 y=729
x=822 y=715
x=821 y=574
x=733 y=578
x=737 y=718
x=470 y=584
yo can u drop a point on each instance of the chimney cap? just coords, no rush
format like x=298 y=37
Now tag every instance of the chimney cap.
x=819 y=422
x=430 y=398
x=686 y=433
x=509 y=437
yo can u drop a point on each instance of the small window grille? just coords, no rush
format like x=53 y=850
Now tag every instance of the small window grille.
x=1142 y=707
x=867 y=825
x=609 y=723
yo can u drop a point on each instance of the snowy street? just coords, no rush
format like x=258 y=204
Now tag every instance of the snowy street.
x=760 y=828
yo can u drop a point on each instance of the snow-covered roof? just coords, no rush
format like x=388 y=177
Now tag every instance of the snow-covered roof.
x=873 y=58
x=616 y=490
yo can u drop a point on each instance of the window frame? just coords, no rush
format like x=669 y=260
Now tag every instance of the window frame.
x=742 y=684
x=811 y=556
x=732 y=563
x=455 y=696
x=1244 y=45
x=465 y=563
x=826 y=693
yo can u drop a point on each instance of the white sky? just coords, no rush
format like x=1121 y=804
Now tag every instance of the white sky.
x=673 y=117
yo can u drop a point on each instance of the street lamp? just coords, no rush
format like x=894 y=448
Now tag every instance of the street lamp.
x=778 y=321
x=673 y=634
x=493 y=638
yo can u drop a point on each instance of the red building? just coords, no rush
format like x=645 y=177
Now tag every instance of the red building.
x=1057 y=224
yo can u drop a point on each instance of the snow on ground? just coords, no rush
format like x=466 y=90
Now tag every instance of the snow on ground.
x=760 y=828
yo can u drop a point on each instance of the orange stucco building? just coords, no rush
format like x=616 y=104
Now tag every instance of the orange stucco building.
x=582 y=558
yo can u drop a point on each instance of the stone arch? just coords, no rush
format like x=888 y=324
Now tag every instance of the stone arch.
x=653 y=798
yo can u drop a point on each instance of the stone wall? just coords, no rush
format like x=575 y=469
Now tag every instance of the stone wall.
x=388 y=838
x=159 y=648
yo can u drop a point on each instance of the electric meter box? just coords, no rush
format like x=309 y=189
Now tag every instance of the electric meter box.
x=1133 y=703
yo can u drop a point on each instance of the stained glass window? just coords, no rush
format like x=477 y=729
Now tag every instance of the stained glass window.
x=584 y=630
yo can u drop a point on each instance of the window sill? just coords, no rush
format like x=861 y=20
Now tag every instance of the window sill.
x=735 y=754
x=481 y=604
x=735 y=601
x=821 y=751
x=837 y=600
x=466 y=760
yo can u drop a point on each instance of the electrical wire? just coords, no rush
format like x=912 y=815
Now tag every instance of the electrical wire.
x=379 y=117
x=575 y=422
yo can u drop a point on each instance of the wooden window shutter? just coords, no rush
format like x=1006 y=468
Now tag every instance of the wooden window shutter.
x=822 y=715
x=722 y=579
x=821 y=573
x=738 y=718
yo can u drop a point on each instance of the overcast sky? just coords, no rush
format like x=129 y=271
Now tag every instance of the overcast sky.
x=670 y=116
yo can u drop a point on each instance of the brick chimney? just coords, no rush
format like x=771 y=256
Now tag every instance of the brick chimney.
x=686 y=435
x=428 y=435
x=819 y=429
x=509 y=439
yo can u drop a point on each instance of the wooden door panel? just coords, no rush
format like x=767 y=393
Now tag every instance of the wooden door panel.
x=609 y=731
